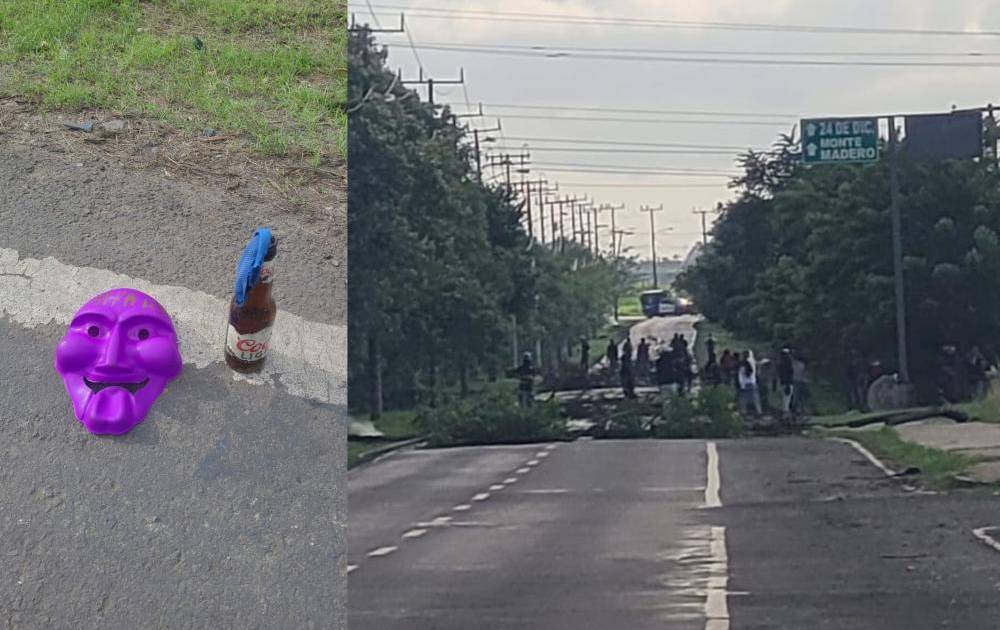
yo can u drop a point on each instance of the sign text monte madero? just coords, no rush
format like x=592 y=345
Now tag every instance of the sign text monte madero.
x=839 y=140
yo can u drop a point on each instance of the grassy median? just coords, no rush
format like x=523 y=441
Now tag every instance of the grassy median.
x=273 y=72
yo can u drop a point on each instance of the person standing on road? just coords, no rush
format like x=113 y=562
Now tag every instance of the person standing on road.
x=525 y=381
x=749 y=396
x=642 y=361
x=584 y=354
x=666 y=374
x=627 y=370
x=710 y=348
x=801 y=399
x=728 y=365
x=612 y=355
x=712 y=373
x=786 y=381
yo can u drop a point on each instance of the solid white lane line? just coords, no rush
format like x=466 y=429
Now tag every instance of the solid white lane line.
x=983 y=534
x=868 y=455
x=677 y=489
x=546 y=491
x=496 y=487
x=510 y=480
x=462 y=508
x=308 y=357
x=482 y=496
x=716 y=605
x=381 y=551
x=351 y=567
x=439 y=521
x=714 y=481
x=415 y=533
x=522 y=471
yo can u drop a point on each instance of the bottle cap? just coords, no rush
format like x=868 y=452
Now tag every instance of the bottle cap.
x=248 y=269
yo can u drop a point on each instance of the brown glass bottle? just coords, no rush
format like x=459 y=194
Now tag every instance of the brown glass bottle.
x=248 y=336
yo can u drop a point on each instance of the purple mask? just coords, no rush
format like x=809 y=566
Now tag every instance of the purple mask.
x=118 y=354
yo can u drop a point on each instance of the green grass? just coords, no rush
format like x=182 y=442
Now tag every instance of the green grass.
x=397 y=426
x=273 y=71
x=629 y=306
x=936 y=466
x=985 y=410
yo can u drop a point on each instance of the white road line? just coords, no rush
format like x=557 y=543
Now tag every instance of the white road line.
x=462 y=508
x=510 y=480
x=983 y=535
x=351 y=568
x=533 y=462
x=868 y=455
x=381 y=551
x=550 y=447
x=496 y=487
x=309 y=358
x=414 y=533
x=522 y=471
x=716 y=605
x=542 y=454
x=674 y=489
x=482 y=496
x=547 y=491
x=714 y=481
x=439 y=521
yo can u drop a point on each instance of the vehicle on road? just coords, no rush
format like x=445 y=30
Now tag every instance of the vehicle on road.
x=659 y=303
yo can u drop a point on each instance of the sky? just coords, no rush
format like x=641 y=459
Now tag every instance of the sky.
x=742 y=105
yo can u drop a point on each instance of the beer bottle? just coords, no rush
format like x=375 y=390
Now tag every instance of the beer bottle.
x=252 y=310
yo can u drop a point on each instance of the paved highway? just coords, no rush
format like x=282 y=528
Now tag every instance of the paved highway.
x=762 y=533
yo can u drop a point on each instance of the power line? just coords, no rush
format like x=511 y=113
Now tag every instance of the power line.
x=631 y=172
x=413 y=47
x=371 y=10
x=619 y=110
x=660 y=121
x=720 y=52
x=628 y=143
x=678 y=169
x=522 y=16
x=611 y=185
x=626 y=151
x=710 y=60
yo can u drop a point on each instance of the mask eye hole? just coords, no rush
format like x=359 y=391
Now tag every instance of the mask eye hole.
x=93 y=331
x=143 y=334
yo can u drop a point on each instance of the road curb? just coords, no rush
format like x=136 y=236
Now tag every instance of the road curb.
x=369 y=456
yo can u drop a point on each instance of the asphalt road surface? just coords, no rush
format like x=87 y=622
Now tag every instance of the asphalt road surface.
x=226 y=507
x=762 y=533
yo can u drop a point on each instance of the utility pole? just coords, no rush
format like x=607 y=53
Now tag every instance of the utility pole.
x=897 y=252
x=526 y=189
x=704 y=227
x=479 y=155
x=561 y=203
x=614 y=228
x=431 y=82
x=652 y=238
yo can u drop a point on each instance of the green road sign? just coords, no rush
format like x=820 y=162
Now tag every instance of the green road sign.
x=839 y=140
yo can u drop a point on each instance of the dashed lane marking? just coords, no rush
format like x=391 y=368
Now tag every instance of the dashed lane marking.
x=522 y=471
x=462 y=508
x=533 y=462
x=482 y=496
x=414 y=533
x=714 y=481
x=550 y=447
x=381 y=551
x=496 y=487
x=542 y=454
x=351 y=568
x=308 y=358
x=510 y=480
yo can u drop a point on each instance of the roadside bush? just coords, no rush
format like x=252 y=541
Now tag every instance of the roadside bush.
x=708 y=414
x=492 y=417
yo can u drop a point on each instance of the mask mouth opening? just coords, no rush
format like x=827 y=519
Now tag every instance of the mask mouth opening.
x=96 y=386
